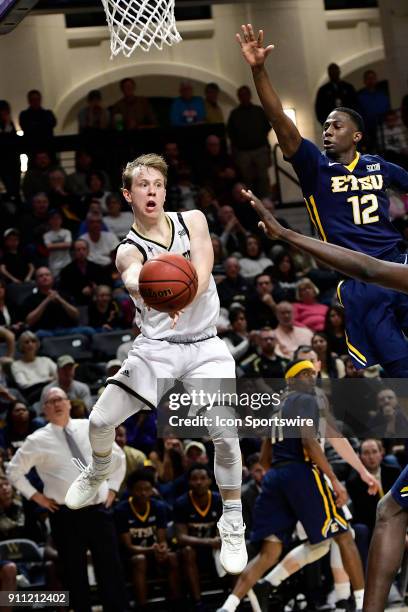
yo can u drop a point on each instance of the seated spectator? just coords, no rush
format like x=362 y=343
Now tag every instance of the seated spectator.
x=9 y=154
x=95 y=209
x=132 y=112
x=218 y=270
x=58 y=241
x=262 y=306
x=331 y=366
x=98 y=192
x=135 y=459
x=117 y=220
x=141 y=522
x=232 y=234
x=101 y=244
x=389 y=421
x=234 y=288
x=14 y=266
x=12 y=517
x=254 y=261
x=37 y=122
x=283 y=274
x=103 y=312
x=267 y=364
x=365 y=505
x=93 y=116
x=394 y=139
x=335 y=330
x=307 y=311
x=9 y=325
x=36 y=178
x=213 y=111
x=33 y=225
x=183 y=195
x=196 y=514
x=237 y=339
x=31 y=373
x=19 y=425
x=209 y=206
x=288 y=335
x=49 y=312
x=74 y=389
x=251 y=489
x=187 y=109
x=79 y=278
x=173 y=159
x=217 y=169
x=77 y=181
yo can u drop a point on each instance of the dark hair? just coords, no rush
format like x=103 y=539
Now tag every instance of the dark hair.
x=234 y=313
x=199 y=466
x=139 y=475
x=303 y=348
x=330 y=359
x=4 y=106
x=258 y=276
x=258 y=241
x=275 y=272
x=252 y=460
x=32 y=92
x=355 y=117
x=328 y=328
x=123 y=81
x=97 y=173
x=94 y=94
x=213 y=86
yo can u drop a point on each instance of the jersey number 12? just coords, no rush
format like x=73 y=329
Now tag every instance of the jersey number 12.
x=362 y=216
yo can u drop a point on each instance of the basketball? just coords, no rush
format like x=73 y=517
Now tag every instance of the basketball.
x=168 y=282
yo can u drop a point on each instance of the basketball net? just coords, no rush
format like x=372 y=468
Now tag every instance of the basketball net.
x=140 y=23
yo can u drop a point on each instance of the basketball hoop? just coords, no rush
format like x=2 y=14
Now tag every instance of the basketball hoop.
x=140 y=23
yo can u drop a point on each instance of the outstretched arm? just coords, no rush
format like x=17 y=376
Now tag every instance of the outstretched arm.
x=255 y=54
x=357 y=265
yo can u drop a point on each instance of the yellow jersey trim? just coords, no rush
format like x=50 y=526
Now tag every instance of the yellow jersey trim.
x=338 y=292
x=404 y=490
x=355 y=351
x=202 y=512
x=339 y=518
x=141 y=517
x=316 y=214
x=354 y=163
x=328 y=520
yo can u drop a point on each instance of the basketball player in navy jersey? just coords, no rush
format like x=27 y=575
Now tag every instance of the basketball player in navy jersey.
x=345 y=195
x=182 y=346
x=388 y=543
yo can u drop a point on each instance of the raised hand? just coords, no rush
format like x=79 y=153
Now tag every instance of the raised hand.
x=272 y=228
x=252 y=48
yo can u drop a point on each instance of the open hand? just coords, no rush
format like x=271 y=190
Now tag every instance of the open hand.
x=272 y=228
x=252 y=48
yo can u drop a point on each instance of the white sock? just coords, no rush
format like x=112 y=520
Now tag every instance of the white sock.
x=277 y=575
x=232 y=510
x=342 y=590
x=101 y=464
x=359 y=596
x=231 y=604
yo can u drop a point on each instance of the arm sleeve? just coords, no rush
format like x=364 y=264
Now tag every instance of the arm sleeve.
x=305 y=163
x=22 y=462
x=398 y=177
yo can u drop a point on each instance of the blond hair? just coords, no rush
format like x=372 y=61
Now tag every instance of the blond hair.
x=149 y=160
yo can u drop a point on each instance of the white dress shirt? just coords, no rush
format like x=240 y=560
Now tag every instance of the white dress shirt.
x=47 y=450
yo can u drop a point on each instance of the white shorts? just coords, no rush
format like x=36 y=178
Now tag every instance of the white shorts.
x=150 y=362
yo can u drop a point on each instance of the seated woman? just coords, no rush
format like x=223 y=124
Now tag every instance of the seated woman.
x=104 y=313
x=335 y=329
x=283 y=274
x=19 y=425
x=331 y=365
x=31 y=372
x=254 y=261
x=307 y=312
x=14 y=265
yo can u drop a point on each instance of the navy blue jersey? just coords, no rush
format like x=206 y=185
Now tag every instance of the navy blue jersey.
x=201 y=523
x=142 y=528
x=348 y=205
x=288 y=441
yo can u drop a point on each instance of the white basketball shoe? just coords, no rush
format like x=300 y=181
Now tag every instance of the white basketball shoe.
x=233 y=555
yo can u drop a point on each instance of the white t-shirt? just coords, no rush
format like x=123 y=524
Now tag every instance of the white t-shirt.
x=29 y=373
x=99 y=252
x=119 y=225
x=61 y=258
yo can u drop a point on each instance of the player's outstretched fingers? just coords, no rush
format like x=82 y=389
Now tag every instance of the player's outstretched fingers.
x=250 y=31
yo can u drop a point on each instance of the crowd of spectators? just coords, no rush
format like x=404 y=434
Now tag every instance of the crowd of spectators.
x=58 y=278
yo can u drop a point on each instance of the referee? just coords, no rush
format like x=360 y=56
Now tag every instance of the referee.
x=50 y=450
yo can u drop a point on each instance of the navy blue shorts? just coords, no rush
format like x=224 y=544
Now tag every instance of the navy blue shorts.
x=296 y=492
x=399 y=489
x=374 y=318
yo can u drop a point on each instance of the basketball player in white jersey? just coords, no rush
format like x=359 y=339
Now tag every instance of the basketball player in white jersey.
x=180 y=346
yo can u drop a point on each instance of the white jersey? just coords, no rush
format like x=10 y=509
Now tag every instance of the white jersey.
x=198 y=320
